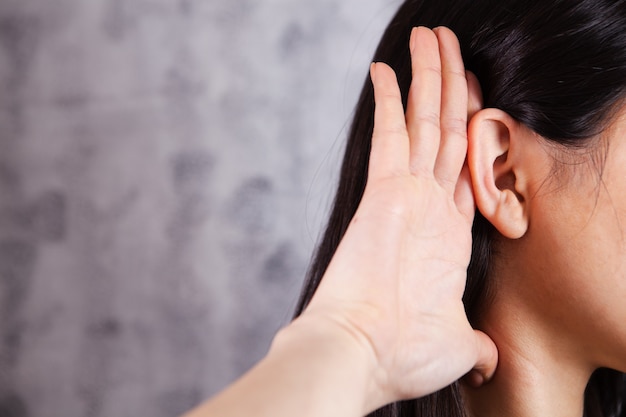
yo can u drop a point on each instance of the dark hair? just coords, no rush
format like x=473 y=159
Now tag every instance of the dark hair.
x=557 y=66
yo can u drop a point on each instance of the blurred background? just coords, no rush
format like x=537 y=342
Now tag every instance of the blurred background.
x=165 y=168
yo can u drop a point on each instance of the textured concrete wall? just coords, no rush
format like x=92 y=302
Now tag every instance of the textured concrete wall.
x=164 y=168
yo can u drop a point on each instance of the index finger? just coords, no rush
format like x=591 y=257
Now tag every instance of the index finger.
x=390 y=143
x=424 y=104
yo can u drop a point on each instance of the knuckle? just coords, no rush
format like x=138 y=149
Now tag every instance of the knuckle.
x=456 y=72
x=419 y=169
x=431 y=69
x=429 y=118
x=390 y=130
x=456 y=126
x=447 y=182
x=388 y=96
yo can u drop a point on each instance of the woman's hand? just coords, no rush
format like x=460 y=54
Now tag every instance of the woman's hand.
x=396 y=282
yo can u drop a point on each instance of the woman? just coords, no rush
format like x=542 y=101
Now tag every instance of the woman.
x=545 y=168
x=546 y=279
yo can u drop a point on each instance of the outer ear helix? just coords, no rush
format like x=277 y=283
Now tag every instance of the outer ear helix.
x=492 y=135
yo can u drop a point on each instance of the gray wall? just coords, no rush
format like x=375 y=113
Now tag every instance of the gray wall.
x=165 y=166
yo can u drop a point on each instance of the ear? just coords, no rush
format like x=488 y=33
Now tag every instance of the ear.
x=497 y=171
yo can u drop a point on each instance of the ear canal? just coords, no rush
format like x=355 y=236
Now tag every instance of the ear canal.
x=505 y=176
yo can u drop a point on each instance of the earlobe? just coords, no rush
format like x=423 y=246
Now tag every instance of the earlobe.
x=493 y=161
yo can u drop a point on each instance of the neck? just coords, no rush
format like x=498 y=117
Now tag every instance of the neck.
x=538 y=374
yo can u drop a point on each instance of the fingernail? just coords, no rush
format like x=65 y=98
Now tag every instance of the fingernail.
x=412 y=40
x=373 y=72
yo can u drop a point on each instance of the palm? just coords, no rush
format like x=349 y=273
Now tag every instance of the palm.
x=417 y=245
x=398 y=275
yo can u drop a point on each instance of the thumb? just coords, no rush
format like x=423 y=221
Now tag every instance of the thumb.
x=486 y=361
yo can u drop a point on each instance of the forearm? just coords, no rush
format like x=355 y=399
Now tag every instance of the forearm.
x=311 y=370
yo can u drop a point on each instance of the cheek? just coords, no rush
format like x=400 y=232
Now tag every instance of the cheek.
x=575 y=258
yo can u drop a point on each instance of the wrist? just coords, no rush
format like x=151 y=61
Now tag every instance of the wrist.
x=341 y=360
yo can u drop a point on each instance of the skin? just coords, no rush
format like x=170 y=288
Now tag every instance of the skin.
x=387 y=322
x=558 y=310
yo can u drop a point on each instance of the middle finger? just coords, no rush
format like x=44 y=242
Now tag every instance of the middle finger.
x=424 y=102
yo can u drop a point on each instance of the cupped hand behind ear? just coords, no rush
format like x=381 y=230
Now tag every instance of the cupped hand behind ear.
x=397 y=279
